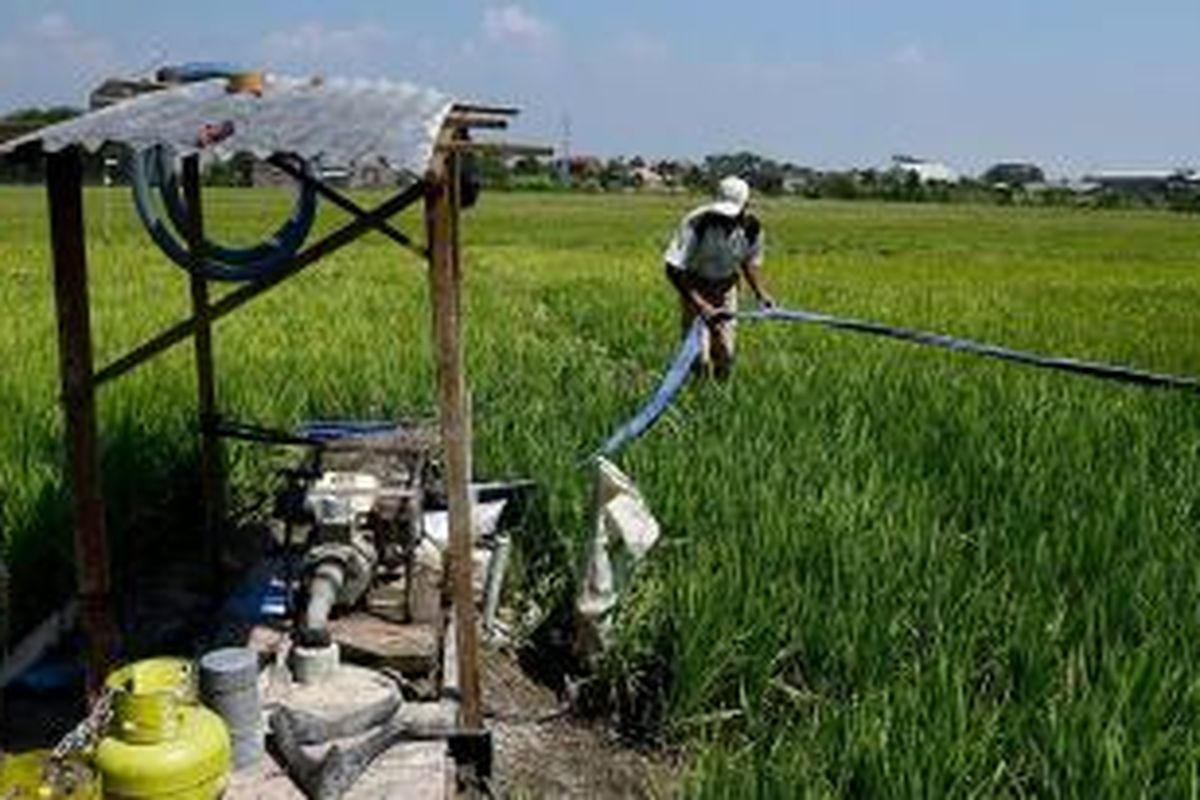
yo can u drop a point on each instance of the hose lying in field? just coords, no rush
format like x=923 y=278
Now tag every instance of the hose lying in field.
x=689 y=351
x=218 y=262
x=677 y=375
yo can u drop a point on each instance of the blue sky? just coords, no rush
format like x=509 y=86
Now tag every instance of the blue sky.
x=1072 y=84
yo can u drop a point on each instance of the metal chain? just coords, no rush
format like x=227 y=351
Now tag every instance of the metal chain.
x=64 y=769
x=85 y=734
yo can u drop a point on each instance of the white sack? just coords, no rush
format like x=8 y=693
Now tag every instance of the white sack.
x=623 y=531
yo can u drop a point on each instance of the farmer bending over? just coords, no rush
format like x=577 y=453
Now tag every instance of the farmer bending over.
x=714 y=242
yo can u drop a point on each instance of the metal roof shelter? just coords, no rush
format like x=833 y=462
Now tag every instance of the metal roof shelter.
x=411 y=129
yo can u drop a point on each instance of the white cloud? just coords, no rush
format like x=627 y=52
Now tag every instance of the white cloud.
x=512 y=24
x=910 y=55
x=317 y=41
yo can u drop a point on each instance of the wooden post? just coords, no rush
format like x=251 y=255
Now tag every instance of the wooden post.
x=445 y=278
x=64 y=189
x=212 y=479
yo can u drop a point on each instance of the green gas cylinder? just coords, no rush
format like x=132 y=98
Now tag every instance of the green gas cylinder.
x=161 y=743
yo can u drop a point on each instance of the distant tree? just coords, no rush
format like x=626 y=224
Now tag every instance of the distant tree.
x=236 y=171
x=870 y=182
x=538 y=182
x=21 y=121
x=761 y=173
x=672 y=172
x=694 y=179
x=911 y=186
x=1014 y=174
x=1184 y=196
x=970 y=190
x=528 y=165
x=837 y=186
x=585 y=168
x=936 y=192
x=41 y=116
x=1058 y=196
x=493 y=171
x=899 y=185
x=616 y=174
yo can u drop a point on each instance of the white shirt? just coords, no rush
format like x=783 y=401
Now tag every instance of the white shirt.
x=713 y=254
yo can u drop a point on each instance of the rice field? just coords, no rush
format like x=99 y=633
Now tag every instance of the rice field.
x=886 y=572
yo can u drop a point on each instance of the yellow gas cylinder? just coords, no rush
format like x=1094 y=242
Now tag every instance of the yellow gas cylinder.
x=161 y=743
x=35 y=776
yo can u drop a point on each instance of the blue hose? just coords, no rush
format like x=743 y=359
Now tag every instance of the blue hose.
x=672 y=382
x=689 y=351
x=288 y=237
x=328 y=430
x=218 y=261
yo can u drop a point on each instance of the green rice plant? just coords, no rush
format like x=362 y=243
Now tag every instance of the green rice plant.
x=887 y=571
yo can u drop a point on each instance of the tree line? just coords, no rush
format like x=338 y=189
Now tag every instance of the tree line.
x=1002 y=184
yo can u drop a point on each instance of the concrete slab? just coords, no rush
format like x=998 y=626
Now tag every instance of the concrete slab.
x=409 y=771
x=390 y=601
x=411 y=649
x=264 y=781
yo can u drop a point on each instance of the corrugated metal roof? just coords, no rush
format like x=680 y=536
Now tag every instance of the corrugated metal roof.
x=336 y=121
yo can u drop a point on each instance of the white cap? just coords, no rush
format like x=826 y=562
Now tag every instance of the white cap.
x=732 y=195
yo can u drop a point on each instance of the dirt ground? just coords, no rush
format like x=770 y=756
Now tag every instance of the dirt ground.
x=542 y=751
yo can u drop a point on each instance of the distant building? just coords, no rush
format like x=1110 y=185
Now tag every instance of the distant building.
x=361 y=176
x=926 y=171
x=1142 y=181
x=579 y=168
x=798 y=180
x=647 y=179
x=1014 y=173
x=372 y=176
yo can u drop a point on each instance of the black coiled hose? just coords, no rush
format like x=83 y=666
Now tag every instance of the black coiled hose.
x=216 y=262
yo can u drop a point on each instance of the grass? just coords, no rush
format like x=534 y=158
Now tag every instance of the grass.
x=887 y=571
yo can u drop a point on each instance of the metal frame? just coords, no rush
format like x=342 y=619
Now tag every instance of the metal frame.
x=439 y=189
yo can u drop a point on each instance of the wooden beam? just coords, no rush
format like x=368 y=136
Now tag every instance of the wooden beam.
x=235 y=299
x=445 y=275
x=483 y=108
x=64 y=174
x=462 y=120
x=499 y=148
x=212 y=468
x=343 y=202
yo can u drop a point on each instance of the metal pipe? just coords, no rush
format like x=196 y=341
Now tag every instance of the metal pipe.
x=497 y=566
x=323 y=590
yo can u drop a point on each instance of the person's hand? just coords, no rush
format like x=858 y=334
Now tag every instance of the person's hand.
x=766 y=302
